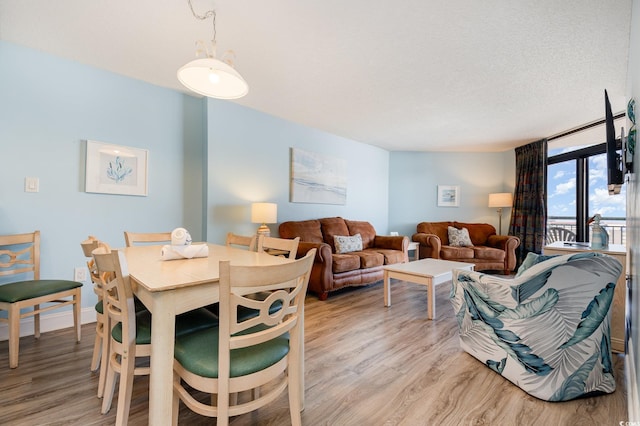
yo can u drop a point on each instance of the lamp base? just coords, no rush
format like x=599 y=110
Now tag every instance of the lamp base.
x=264 y=230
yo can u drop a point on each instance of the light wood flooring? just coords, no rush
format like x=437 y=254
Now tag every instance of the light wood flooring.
x=365 y=365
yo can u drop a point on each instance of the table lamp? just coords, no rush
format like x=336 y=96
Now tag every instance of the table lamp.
x=264 y=213
x=500 y=200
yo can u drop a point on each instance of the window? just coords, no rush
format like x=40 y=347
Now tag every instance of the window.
x=577 y=189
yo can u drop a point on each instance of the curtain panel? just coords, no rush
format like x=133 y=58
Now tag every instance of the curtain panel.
x=529 y=215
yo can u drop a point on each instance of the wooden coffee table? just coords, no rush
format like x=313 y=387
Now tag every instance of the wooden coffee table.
x=429 y=272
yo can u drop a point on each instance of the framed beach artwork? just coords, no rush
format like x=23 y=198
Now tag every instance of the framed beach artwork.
x=316 y=178
x=116 y=169
x=448 y=196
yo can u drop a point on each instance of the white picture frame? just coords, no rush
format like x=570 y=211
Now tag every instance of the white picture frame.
x=115 y=169
x=448 y=196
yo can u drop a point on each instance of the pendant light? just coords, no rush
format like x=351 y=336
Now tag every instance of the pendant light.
x=209 y=76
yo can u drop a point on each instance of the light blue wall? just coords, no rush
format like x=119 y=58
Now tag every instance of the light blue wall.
x=208 y=160
x=48 y=107
x=249 y=161
x=415 y=176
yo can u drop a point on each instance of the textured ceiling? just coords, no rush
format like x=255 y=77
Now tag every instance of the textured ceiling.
x=408 y=75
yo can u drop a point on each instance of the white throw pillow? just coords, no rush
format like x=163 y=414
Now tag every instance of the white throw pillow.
x=346 y=244
x=459 y=237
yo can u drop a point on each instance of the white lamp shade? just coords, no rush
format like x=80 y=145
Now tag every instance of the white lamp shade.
x=213 y=78
x=501 y=199
x=264 y=212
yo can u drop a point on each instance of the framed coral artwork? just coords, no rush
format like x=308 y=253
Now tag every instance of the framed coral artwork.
x=448 y=196
x=116 y=169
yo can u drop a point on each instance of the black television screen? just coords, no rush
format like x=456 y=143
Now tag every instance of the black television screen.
x=614 y=158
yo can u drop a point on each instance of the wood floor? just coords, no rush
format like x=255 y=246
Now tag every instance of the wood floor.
x=365 y=365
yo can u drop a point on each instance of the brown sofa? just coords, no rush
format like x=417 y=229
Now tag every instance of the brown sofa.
x=489 y=251
x=332 y=271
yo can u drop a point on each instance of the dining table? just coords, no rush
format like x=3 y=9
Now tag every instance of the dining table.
x=171 y=287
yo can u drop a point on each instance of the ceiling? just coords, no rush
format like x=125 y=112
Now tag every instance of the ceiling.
x=407 y=75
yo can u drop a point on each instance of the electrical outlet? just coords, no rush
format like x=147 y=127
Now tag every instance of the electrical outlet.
x=80 y=274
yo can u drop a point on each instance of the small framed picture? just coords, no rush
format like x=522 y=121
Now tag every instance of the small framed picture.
x=115 y=169
x=448 y=196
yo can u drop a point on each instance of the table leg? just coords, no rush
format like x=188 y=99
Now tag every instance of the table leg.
x=431 y=300
x=387 y=289
x=163 y=323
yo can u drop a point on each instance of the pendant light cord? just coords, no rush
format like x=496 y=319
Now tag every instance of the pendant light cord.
x=207 y=15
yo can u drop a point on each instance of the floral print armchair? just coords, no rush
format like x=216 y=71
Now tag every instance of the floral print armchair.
x=548 y=329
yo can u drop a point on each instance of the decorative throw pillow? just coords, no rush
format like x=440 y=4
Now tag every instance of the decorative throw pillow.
x=459 y=237
x=346 y=244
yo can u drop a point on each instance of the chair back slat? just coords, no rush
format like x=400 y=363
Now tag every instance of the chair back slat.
x=241 y=241
x=280 y=244
x=16 y=259
x=287 y=284
x=118 y=295
x=133 y=238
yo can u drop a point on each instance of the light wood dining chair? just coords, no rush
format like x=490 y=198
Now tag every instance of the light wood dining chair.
x=279 y=246
x=135 y=238
x=131 y=331
x=244 y=355
x=20 y=259
x=241 y=241
x=100 y=355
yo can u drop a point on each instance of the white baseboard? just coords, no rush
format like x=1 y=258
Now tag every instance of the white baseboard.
x=51 y=322
x=633 y=404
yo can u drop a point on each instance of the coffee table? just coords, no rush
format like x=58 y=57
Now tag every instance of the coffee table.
x=429 y=272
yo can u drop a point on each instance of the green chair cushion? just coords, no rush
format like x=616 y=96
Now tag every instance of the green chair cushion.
x=100 y=307
x=188 y=322
x=23 y=290
x=198 y=353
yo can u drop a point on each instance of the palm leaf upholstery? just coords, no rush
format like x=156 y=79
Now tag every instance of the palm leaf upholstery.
x=548 y=329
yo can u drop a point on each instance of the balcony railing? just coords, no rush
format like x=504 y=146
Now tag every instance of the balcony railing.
x=616 y=227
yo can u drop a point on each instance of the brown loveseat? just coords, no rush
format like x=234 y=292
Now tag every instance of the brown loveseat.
x=488 y=251
x=331 y=270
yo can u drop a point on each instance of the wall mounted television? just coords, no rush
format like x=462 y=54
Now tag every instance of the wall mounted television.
x=615 y=175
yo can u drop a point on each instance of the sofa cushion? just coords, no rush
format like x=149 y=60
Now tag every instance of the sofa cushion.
x=370 y=258
x=391 y=256
x=365 y=229
x=488 y=253
x=453 y=253
x=479 y=232
x=332 y=226
x=308 y=230
x=345 y=262
x=436 y=228
x=347 y=243
x=459 y=237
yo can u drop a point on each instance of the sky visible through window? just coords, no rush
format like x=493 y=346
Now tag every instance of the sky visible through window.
x=561 y=189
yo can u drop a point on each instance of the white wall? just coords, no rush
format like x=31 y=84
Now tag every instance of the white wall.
x=633 y=224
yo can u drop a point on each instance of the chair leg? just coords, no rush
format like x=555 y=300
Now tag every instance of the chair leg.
x=36 y=322
x=14 y=334
x=106 y=341
x=77 y=306
x=294 y=392
x=109 y=386
x=127 y=366
x=97 y=346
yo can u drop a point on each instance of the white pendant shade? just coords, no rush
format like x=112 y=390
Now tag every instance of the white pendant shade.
x=213 y=78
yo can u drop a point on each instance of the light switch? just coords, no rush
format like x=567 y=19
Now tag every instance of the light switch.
x=31 y=184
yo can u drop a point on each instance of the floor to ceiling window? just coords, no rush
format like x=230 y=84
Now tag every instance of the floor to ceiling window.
x=577 y=185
